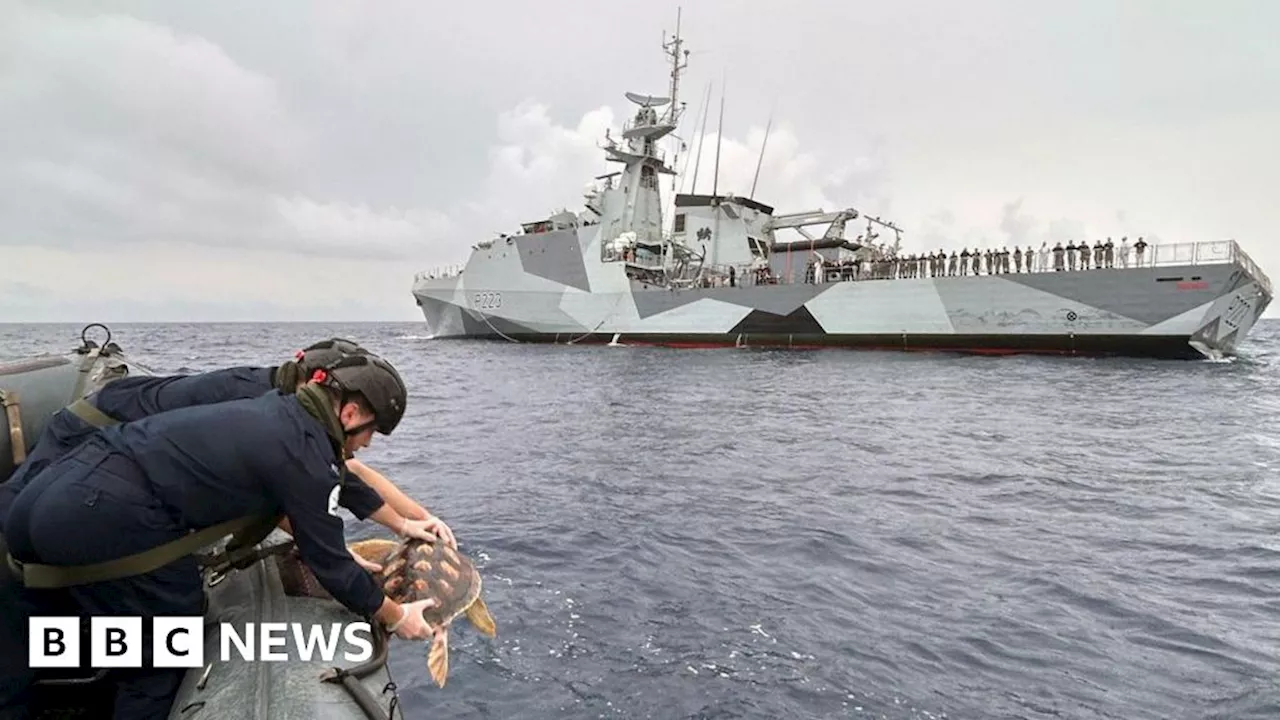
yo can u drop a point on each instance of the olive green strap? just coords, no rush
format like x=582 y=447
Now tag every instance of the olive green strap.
x=56 y=576
x=86 y=411
x=239 y=550
x=83 y=378
x=13 y=413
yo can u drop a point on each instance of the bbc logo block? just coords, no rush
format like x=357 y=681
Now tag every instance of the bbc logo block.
x=177 y=642
x=116 y=642
x=54 y=642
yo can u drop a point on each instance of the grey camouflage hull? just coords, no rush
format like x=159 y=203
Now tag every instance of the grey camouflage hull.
x=1189 y=311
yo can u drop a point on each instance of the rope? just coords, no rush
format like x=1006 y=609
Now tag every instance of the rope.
x=485 y=316
x=603 y=320
x=395 y=696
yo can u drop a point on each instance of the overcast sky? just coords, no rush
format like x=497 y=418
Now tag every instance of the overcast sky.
x=297 y=160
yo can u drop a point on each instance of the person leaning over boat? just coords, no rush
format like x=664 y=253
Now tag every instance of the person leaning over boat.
x=135 y=486
x=368 y=495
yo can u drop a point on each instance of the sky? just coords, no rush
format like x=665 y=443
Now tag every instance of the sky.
x=292 y=160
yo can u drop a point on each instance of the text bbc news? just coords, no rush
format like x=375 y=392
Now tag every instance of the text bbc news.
x=178 y=642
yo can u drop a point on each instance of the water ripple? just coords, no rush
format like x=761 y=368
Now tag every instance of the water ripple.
x=763 y=534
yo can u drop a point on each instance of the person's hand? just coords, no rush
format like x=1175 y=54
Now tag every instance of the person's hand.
x=369 y=565
x=437 y=526
x=431 y=529
x=411 y=625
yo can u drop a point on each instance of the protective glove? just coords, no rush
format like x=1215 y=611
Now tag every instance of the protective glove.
x=431 y=529
x=411 y=625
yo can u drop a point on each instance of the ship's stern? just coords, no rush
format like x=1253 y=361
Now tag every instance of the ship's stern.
x=1233 y=315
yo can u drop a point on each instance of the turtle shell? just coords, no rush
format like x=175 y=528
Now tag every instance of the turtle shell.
x=417 y=570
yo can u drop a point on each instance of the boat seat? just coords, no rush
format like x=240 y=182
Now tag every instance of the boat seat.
x=71 y=693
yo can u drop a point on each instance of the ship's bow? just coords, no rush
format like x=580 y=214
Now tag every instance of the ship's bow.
x=435 y=296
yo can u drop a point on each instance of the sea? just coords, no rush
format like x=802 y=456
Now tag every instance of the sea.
x=745 y=533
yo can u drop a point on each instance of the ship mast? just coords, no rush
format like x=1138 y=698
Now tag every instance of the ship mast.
x=674 y=110
x=672 y=49
x=641 y=211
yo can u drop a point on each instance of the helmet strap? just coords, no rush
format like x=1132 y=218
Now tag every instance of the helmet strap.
x=351 y=432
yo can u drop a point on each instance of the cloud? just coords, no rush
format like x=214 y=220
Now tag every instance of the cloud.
x=536 y=167
x=128 y=131
x=1018 y=227
x=540 y=166
x=125 y=131
x=1015 y=224
x=184 y=281
x=791 y=178
x=172 y=153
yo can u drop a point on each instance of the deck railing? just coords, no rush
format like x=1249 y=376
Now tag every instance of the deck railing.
x=1212 y=252
x=1243 y=258
x=443 y=272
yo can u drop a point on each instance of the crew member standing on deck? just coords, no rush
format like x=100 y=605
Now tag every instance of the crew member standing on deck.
x=135 y=486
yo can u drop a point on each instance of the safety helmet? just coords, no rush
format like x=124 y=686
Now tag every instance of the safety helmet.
x=373 y=378
x=306 y=361
x=326 y=353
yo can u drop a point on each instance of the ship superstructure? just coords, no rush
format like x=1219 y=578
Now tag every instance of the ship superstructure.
x=722 y=275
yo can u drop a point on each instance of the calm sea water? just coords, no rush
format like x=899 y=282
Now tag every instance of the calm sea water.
x=756 y=534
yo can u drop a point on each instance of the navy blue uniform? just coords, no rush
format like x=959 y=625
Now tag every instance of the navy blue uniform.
x=133 y=398
x=137 y=485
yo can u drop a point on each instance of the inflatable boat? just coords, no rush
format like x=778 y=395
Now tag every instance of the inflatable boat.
x=269 y=586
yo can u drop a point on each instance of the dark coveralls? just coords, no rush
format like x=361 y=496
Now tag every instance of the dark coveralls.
x=133 y=398
x=134 y=486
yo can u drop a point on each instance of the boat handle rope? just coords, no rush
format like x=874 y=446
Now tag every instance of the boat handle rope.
x=349 y=678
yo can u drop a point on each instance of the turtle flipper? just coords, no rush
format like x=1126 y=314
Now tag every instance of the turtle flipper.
x=438 y=657
x=478 y=615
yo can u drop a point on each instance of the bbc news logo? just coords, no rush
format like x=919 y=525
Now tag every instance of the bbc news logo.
x=178 y=642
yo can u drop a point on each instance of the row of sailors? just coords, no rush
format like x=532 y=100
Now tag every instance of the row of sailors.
x=989 y=261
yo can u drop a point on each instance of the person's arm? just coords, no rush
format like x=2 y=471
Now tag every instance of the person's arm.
x=359 y=498
x=387 y=517
x=390 y=494
x=366 y=564
x=152 y=395
x=308 y=488
x=390 y=613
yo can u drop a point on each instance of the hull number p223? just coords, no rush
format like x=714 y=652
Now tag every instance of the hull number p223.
x=487 y=300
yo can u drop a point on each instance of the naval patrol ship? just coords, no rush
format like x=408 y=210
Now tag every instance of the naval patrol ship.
x=722 y=276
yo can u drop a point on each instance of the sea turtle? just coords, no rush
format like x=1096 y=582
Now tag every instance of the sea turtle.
x=415 y=570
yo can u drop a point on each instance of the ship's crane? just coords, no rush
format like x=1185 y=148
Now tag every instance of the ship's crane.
x=799 y=221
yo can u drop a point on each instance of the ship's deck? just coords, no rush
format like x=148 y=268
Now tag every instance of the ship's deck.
x=789 y=272
x=1217 y=252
